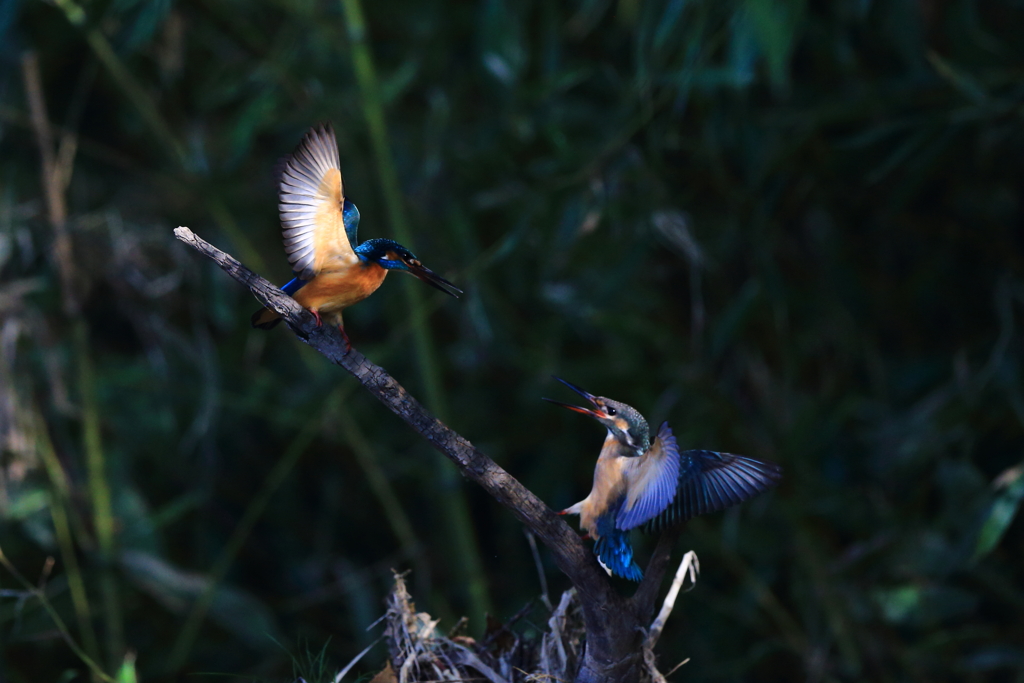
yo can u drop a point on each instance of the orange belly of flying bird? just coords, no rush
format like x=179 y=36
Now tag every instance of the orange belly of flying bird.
x=609 y=485
x=329 y=293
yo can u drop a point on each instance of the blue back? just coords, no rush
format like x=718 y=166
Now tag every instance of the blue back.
x=350 y=217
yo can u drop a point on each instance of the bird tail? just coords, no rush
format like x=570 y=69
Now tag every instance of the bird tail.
x=616 y=555
x=265 y=319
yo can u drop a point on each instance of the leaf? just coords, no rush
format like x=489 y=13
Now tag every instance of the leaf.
x=962 y=81
x=919 y=605
x=25 y=503
x=126 y=674
x=148 y=18
x=1002 y=511
x=668 y=26
x=385 y=675
x=394 y=86
x=898 y=604
x=8 y=15
x=775 y=25
x=501 y=39
x=731 y=320
x=235 y=610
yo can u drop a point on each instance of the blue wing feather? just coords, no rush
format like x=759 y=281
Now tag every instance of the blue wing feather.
x=653 y=479
x=293 y=285
x=711 y=481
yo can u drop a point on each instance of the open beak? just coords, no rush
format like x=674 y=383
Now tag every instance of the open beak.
x=433 y=279
x=596 y=414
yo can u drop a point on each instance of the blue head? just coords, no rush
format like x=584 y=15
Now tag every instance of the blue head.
x=391 y=255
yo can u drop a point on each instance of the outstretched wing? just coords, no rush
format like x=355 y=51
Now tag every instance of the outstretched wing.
x=651 y=481
x=311 y=199
x=710 y=481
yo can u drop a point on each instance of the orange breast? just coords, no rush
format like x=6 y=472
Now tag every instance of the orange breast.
x=336 y=290
x=609 y=485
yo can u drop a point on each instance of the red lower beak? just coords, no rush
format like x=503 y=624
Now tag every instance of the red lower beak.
x=583 y=411
x=597 y=414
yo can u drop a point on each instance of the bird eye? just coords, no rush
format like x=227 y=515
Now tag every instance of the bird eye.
x=611 y=411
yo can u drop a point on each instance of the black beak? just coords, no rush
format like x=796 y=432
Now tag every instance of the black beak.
x=433 y=279
x=596 y=414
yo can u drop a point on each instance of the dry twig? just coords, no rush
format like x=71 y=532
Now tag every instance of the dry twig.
x=689 y=565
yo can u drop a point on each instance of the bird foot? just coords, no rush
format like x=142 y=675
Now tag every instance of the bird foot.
x=585 y=537
x=562 y=512
x=344 y=335
x=316 y=314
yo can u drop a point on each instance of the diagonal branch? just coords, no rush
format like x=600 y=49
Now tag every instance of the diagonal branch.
x=615 y=625
x=569 y=554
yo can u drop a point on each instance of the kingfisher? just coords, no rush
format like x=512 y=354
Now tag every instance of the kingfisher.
x=653 y=485
x=333 y=270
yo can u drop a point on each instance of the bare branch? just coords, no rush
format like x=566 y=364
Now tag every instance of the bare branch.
x=56 y=174
x=570 y=555
x=544 y=597
x=615 y=625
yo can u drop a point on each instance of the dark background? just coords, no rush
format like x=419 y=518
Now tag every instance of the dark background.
x=792 y=229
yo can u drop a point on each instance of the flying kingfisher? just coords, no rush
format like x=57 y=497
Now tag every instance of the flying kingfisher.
x=332 y=269
x=655 y=485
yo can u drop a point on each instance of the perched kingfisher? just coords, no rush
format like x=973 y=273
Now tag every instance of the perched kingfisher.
x=319 y=227
x=639 y=483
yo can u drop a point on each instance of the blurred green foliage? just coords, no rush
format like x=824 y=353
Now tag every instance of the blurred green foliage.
x=794 y=230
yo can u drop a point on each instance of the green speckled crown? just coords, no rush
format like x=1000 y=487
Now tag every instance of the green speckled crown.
x=639 y=432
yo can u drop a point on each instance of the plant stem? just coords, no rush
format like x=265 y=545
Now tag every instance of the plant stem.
x=99 y=494
x=124 y=79
x=379 y=484
x=450 y=494
x=60 y=491
x=99 y=490
x=283 y=467
x=97 y=672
